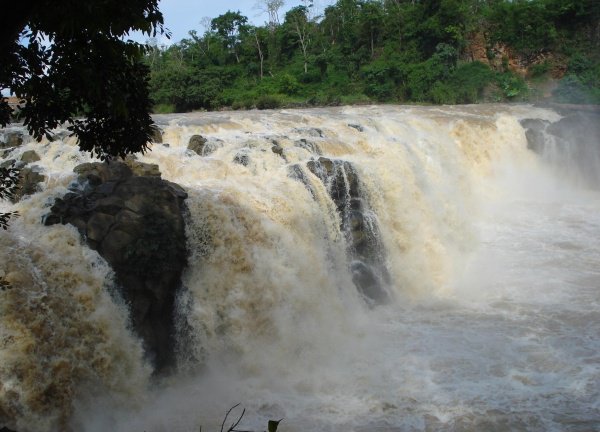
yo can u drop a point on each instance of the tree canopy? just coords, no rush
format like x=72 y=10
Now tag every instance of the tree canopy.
x=432 y=51
x=71 y=62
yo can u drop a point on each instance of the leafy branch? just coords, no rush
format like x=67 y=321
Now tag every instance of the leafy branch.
x=9 y=183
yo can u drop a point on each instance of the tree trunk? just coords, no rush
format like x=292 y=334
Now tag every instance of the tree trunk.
x=260 y=55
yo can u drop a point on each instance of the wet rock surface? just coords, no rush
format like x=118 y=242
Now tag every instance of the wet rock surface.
x=136 y=223
x=30 y=179
x=157 y=135
x=11 y=140
x=570 y=143
x=196 y=144
x=203 y=146
x=359 y=225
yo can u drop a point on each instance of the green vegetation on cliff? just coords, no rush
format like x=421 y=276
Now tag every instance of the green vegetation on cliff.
x=423 y=51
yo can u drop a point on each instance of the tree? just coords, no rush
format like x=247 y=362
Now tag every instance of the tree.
x=271 y=7
x=299 y=21
x=228 y=26
x=75 y=67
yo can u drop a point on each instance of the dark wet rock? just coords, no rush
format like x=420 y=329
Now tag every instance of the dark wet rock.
x=277 y=149
x=359 y=225
x=534 y=131
x=211 y=146
x=136 y=223
x=30 y=156
x=242 y=158
x=157 y=136
x=356 y=126
x=11 y=140
x=144 y=169
x=196 y=144
x=570 y=144
x=12 y=162
x=204 y=146
x=578 y=126
x=297 y=173
x=29 y=182
x=311 y=132
x=309 y=146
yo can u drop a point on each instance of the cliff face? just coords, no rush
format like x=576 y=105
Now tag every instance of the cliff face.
x=501 y=57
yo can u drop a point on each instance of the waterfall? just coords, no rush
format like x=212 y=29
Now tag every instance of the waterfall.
x=349 y=268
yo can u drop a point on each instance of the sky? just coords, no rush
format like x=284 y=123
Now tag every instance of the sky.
x=182 y=16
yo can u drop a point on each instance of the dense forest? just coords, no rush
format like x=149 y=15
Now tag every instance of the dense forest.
x=400 y=51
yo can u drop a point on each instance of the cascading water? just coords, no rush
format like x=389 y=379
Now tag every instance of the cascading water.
x=366 y=268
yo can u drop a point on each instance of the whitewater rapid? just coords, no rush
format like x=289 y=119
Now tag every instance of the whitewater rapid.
x=487 y=254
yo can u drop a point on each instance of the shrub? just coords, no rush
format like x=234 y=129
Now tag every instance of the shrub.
x=513 y=87
x=268 y=102
x=443 y=93
x=539 y=70
x=288 y=84
x=164 y=108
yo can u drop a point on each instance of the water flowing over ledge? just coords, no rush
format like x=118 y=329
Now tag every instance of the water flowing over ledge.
x=354 y=268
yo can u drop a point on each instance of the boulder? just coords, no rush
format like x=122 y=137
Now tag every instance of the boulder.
x=12 y=139
x=242 y=158
x=356 y=126
x=136 y=224
x=278 y=150
x=534 y=131
x=571 y=143
x=157 y=136
x=30 y=156
x=29 y=180
x=196 y=144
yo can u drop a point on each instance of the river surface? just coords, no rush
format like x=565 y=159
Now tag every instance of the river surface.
x=484 y=313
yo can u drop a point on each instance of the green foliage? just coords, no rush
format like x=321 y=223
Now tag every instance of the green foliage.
x=378 y=50
x=9 y=182
x=513 y=87
x=469 y=82
x=540 y=69
x=71 y=64
x=268 y=102
x=288 y=84
x=164 y=109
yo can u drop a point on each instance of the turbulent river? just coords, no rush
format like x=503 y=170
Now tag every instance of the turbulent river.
x=377 y=268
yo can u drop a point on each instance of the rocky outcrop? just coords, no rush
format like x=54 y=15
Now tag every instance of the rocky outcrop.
x=29 y=179
x=570 y=144
x=359 y=225
x=196 y=144
x=534 y=131
x=203 y=146
x=157 y=136
x=30 y=156
x=11 y=140
x=309 y=146
x=136 y=224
